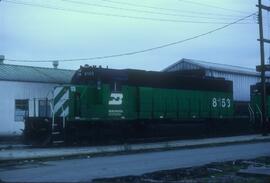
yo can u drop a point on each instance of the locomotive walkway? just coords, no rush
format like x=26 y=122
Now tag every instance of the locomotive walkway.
x=15 y=154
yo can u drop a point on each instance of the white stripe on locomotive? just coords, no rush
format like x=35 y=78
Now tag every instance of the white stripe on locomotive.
x=59 y=105
x=57 y=90
x=65 y=112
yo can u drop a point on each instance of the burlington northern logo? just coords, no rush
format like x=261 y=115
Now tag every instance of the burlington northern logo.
x=116 y=99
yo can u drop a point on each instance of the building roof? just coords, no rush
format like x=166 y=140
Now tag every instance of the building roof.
x=216 y=67
x=35 y=74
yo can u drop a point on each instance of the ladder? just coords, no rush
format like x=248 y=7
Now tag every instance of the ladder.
x=58 y=137
x=58 y=130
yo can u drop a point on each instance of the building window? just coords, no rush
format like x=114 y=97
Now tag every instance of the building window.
x=44 y=108
x=21 y=109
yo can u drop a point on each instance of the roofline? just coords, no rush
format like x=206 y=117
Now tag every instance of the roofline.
x=238 y=73
x=175 y=63
x=43 y=71
x=250 y=73
x=51 y=68
x=24 y=81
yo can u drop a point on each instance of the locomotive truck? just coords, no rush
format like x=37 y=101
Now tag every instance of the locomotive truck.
x=103 y=104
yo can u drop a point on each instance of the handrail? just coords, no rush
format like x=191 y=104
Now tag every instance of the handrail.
x=52 y=111
x=64 y=122
x=260 y=113
x=252 y=113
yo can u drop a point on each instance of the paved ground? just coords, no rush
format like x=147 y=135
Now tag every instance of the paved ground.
x=256 y=171
x=12 y=152
x=100 y=167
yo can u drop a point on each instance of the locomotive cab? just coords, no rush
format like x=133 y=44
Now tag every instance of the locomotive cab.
x=255 y=103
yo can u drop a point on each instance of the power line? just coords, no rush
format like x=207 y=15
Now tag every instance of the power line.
x=115 y=15
x=144 y=11
x=213 y=6
x=139 y=51
x=169 y=9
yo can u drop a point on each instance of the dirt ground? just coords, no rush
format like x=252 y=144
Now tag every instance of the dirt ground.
x=226 y=172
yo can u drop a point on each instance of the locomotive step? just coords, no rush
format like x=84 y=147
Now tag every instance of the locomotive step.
x=58 y=142
x=56 y=133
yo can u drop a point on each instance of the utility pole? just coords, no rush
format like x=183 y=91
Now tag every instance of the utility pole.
x=263 y=68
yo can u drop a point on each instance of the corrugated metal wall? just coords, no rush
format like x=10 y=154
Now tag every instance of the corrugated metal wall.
x=241 y=83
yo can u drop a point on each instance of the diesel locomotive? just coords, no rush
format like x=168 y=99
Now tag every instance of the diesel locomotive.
x=102 y=104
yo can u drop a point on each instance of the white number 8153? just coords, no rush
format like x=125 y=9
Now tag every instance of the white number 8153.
x=221 y=102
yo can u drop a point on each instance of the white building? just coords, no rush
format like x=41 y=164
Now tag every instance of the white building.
x=242 y=77
x=19 y=86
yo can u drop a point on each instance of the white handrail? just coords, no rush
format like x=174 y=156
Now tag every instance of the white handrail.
x=251 y=113
x=52 y=112
x=260 y=113
x=64 y=121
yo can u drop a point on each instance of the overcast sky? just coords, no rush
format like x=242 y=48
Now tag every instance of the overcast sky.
x=30 y=32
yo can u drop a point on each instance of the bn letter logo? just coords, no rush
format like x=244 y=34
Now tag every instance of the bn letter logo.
x=116 y=99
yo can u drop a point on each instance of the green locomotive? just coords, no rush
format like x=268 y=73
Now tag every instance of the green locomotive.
x=255 y=104
x=89 y=103
x=105 y=103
